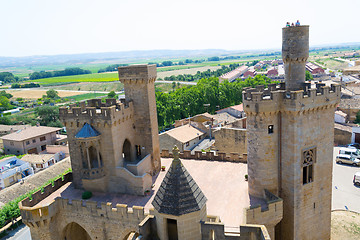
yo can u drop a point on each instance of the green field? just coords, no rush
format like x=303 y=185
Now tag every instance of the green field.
x=86 y=96
x=95 y=77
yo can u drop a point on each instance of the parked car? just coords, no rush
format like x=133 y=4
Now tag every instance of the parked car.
x=345 y=158
x=354 y=145
x=356 y=180
x=350 y=151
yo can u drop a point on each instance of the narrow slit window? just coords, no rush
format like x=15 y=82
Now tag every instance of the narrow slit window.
x=271 y=129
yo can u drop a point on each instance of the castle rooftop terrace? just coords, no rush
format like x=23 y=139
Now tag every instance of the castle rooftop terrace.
x=223 y=184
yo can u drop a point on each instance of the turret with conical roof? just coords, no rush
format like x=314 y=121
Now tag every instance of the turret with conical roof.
x=178 y=200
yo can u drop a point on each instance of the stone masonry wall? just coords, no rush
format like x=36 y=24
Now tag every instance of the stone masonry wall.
x=231 y=140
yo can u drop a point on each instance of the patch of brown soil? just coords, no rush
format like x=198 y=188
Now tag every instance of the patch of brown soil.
x=345 y=225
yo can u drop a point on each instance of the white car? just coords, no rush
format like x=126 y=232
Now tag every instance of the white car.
x=356 y=180
x=350 y=151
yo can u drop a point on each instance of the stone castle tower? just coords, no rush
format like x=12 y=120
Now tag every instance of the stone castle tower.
x=290 y=139
x=113 y=142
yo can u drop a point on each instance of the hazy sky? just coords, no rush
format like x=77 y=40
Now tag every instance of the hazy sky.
x=45 y=27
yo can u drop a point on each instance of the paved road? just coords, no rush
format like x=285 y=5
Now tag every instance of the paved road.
x=345 y=194
x=186 y=83
x=22 y=233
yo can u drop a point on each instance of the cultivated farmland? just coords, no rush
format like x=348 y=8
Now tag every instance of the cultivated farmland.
x=35 y=94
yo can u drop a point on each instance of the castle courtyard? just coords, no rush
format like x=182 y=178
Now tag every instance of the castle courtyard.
x=223 y=184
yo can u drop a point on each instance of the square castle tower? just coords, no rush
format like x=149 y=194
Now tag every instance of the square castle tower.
x=113 y=142
x=290 y=137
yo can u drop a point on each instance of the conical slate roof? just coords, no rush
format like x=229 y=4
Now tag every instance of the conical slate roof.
x=87 y=131
x=178 y=194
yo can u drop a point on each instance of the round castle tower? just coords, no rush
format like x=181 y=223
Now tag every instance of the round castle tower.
x=295 y=52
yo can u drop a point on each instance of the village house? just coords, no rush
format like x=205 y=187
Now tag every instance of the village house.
x=186 y=137
x=314 y=69
x=355 y=70
x=234 y=74
x=13 y=170
x=6 y=129
x=272 y=72
x=340 y=117
x=42 y=161
x=235 y=111
x=251 y=72
x=31 y=140
x=351 y=107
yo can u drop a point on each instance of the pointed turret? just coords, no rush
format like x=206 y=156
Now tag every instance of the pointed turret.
x=178 y=194
x=179 y=204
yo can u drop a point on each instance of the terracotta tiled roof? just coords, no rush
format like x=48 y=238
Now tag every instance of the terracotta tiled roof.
x=37 y=158
x=184 y=133
x=343 y=127
x=352 y=103
x=28 y=133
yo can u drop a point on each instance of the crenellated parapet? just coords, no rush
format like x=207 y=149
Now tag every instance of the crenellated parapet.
x=96 y=111
x=138 y=74
x=276 y=99
x=120 y=212
x=209 y=156
x=36 y=214
x=268 y=215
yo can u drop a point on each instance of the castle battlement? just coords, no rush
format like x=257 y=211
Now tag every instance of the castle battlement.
x=103 y=209
x=269 y=215
x=137 y=73
x=96 y=110
x=276 y=98
x=209 y=156
x=39 y=210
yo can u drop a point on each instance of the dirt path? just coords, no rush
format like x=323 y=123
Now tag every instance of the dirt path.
x=345 y=225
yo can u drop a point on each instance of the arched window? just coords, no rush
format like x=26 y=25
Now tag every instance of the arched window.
x=126 y=151
x=94 y=162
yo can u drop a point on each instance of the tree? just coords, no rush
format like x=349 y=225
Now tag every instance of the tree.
x=5 y=103
x=308 y=76
x=111 y=94
x=357 y=119
x=52 y=94
x=213 y=59
x=5 y=94
x=167 y=63
x=47 y=114
x=173 y=85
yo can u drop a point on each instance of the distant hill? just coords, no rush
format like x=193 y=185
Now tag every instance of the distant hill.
x=140 y=56
x=118 y=57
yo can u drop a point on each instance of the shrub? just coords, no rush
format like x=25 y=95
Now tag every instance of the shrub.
x=86 y=195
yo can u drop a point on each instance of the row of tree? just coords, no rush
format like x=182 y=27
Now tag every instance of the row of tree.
x=206 y=74
x=8 y=77
x=189 y=100
x=111 y=68
x=26 y=85
x=59 y=73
